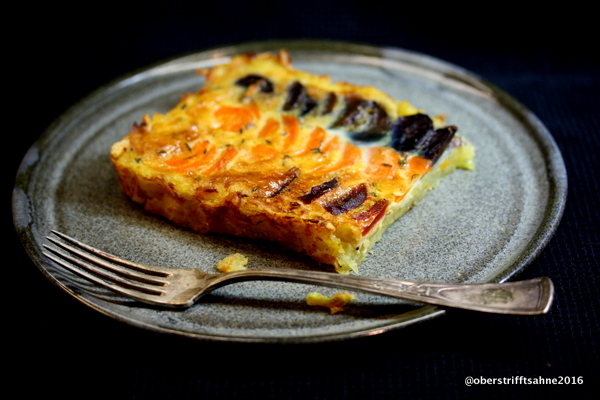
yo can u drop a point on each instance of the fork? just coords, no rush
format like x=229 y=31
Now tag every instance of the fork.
x=182 y=287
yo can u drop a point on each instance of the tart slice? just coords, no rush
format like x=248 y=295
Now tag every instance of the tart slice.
x=266 y=151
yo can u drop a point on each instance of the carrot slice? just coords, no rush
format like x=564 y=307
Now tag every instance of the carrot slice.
x=378 y=209
x=292 y=128
x=234 y=119
x=419 y=165
x=263 y=152
x=350 y=155
x=383 y=163
x=198 y=149
x=332 y=145
x=271 y=127
x=314 y=141
x=200 y=161
x=179 y=161
x=226 y=157
x=254 y=110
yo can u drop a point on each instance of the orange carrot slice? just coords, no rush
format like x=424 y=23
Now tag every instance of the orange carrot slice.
x=263 y=152
x=349 y=157
x=234 y=119
x=253 y=108
x=226 y=157
x=198 y=162
x=383 y=163
x=419 y=165
x=332 y=145
x=271 y=127
x=197 y=150
x=292 y=129
x=315 y=140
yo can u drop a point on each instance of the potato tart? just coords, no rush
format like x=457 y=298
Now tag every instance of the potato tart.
x=266 y=151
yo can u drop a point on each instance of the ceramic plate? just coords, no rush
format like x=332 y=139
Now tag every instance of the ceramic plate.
x=477 y=226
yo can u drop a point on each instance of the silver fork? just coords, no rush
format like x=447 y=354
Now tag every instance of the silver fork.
x=180 y=288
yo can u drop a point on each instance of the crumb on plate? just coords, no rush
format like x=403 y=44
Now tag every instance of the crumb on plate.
x=335 y=303
x=233 y=262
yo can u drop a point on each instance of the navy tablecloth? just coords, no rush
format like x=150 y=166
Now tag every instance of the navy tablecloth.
x=544 y=58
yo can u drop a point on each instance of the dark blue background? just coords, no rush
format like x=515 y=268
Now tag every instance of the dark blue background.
x=543 y=57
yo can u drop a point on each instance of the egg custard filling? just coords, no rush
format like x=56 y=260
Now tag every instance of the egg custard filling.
x=268 y=152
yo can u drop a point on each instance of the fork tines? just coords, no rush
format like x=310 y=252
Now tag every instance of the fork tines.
x=105 y=269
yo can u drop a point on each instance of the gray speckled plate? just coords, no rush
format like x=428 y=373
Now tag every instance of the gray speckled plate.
x=477 y=226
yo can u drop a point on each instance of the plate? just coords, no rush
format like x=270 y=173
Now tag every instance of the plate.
x=477 y=226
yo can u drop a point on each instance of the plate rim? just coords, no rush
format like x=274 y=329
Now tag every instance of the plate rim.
x=557 y=175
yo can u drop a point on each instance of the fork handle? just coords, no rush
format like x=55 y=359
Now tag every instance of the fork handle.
x=527 y=297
